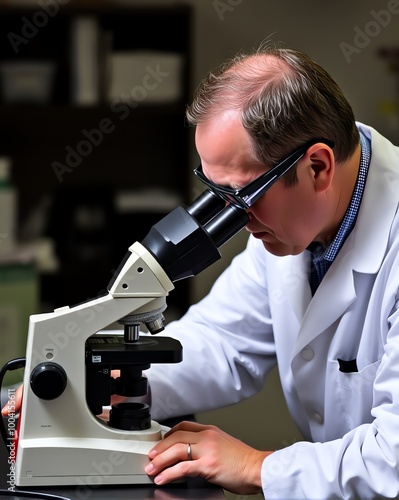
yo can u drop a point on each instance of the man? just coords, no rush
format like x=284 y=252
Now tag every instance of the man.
x=316 y=291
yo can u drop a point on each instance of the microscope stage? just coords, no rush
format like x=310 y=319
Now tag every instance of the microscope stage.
x=114 y=349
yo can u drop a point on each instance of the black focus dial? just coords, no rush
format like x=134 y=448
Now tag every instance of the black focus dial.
x=48 y=380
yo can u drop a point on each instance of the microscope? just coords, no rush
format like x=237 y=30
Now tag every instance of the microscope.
x=62 y=438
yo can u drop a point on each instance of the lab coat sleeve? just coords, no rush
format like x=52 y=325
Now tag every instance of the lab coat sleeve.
x=364 y=463
x=227 y=343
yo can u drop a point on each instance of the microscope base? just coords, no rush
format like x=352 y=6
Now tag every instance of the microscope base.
x=82 y=462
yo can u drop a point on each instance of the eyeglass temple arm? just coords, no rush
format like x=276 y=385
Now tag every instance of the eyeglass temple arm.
x=279 y=171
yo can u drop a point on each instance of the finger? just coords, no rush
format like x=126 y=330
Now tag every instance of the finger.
x=14 y=404
x=177 y=437
x=177 y=472
x=187 y=425
x=173 y=457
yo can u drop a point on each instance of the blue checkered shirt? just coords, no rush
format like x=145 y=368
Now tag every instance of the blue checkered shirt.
x=322 y=257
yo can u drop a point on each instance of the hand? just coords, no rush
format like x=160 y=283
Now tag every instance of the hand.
x=215 y=456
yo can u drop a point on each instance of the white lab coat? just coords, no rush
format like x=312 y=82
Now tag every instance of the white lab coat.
x=260 y=311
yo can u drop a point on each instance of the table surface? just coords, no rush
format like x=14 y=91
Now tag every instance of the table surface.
x=193 y=488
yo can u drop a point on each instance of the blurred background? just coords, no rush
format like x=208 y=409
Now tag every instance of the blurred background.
x=94 y=147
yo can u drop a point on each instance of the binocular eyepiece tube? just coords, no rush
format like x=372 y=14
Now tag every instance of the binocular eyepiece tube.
x=186 y=241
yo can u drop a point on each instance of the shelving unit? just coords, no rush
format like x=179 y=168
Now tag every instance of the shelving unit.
x=95 y=157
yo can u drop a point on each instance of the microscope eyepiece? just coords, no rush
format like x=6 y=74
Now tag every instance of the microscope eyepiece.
x=226 y=224
x=186 y=241
x=206 y=206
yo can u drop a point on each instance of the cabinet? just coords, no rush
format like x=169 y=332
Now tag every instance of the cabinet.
x=92 y=107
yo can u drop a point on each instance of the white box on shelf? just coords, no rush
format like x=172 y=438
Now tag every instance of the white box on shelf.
x=85 y=61
x=145 y=76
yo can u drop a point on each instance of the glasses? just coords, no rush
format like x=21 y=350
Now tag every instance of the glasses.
x=246 y=196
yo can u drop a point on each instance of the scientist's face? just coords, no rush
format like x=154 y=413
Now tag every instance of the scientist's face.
x=285 y=219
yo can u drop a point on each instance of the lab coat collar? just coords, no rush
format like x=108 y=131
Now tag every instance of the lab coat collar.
x=379 y=204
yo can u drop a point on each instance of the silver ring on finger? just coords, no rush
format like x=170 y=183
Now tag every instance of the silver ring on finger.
x=189 y=456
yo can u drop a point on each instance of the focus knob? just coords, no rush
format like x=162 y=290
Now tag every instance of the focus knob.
x=48 y=381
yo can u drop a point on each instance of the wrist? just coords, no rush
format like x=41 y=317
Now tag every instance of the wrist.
x=255 y=467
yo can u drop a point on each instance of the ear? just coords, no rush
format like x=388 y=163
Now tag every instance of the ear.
x=321 y=161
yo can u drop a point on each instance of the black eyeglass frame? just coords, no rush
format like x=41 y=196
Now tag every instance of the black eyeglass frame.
x=246 y=196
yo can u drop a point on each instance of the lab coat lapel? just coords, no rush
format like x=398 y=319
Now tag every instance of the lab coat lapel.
x=334 y=295
x=312 y=314
x=293 y=271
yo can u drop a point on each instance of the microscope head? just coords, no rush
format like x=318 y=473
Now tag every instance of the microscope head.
x=182 y=244
x=186 y=241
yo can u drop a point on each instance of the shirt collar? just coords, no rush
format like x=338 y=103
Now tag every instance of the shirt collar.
x=349 y=219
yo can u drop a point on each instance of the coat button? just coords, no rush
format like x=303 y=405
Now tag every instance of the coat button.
x=318 y=418
x=307 y=353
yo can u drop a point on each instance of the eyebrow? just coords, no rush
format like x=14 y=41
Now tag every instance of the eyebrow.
x=234 y=186
x=230 y=185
